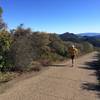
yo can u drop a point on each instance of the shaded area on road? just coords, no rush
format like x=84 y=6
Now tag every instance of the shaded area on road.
x=94 y=65
x=91 y=86
x=58 y=65
x=91 y=66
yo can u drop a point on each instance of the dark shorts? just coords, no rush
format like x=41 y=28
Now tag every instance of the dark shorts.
x=73 y=56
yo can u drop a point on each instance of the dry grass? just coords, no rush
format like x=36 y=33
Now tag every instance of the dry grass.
x=4 y=78
x=7 y=76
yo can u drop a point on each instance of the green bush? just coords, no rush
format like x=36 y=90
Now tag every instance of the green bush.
x=5 y=44
x=87 y=47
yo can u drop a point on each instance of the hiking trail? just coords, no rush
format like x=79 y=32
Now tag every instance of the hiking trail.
x=59 y=82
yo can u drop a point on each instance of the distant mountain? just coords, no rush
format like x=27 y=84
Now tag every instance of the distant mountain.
x=89 y=34
x=93 y=38
x=70 y=37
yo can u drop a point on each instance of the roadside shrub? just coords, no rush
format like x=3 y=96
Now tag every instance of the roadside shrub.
x=5 y=44
x=5 y=77
x=87 y=47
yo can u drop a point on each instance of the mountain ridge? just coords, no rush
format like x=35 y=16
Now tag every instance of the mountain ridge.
x=89 y=34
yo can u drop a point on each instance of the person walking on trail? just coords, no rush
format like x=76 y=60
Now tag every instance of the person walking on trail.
x=73 y=51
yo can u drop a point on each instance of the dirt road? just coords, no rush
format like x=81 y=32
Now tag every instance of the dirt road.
x=59 y=82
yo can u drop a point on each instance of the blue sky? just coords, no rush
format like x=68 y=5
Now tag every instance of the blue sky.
x=58 y=16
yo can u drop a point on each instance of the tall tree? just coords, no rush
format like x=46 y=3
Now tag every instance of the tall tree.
x=1 y=10
x=3 y=25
